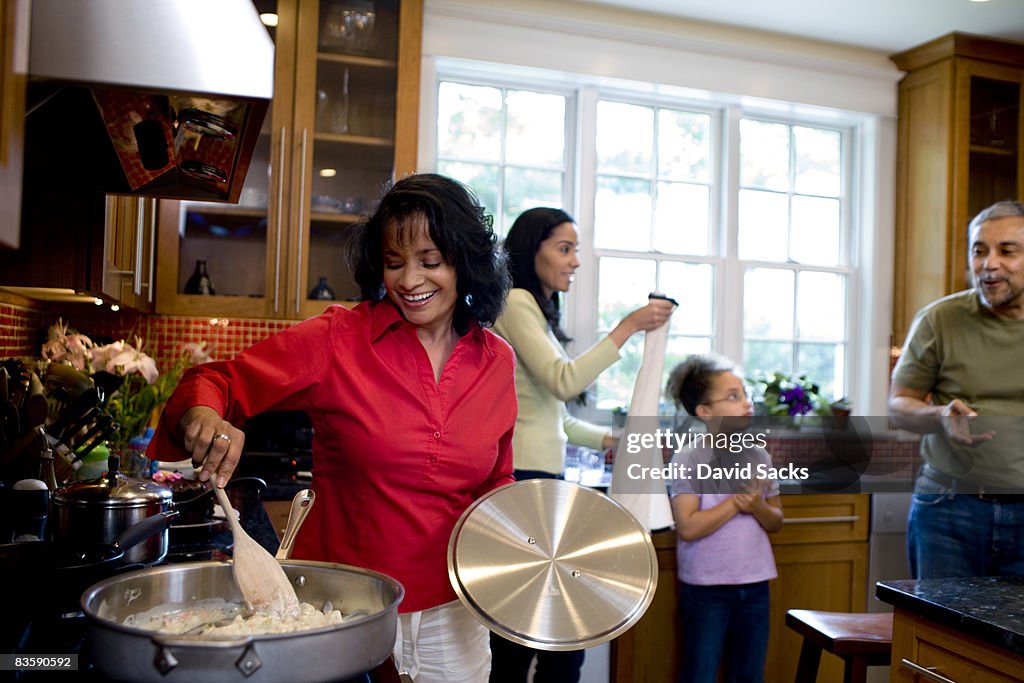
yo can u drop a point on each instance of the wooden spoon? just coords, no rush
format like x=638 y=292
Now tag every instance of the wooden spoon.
x=262 y=581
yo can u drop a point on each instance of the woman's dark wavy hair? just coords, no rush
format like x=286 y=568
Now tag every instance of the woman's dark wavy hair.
x=689 y=383
x=524 y=237
x=460 y=228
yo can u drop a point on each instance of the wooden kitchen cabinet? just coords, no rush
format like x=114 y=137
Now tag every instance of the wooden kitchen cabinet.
x=14 y=17
x=342 y=123
x=129 y=268
x=649 y=651
x=84 y=241
x=822 y=558
x=959 y=149
x=919 y=643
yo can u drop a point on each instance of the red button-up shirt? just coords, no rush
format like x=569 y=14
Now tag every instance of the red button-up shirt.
x=397 y=456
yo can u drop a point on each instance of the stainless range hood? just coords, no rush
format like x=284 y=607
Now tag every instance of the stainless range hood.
x=159 y=98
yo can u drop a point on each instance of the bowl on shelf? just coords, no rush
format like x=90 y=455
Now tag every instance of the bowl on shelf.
x=322 y=202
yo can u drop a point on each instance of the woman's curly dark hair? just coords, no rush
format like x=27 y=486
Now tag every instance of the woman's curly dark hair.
x=460 y=228
x=532 y=227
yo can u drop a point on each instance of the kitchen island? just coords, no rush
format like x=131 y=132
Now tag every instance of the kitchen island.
x=968 y=629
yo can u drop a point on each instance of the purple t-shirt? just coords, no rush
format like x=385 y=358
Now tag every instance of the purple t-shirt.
x=739 y=551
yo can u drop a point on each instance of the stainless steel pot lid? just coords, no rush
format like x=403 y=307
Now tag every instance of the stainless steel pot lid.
x=113 y=490
x=552 y=565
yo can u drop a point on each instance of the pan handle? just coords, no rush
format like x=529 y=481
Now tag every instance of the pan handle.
x=301 y=504
x=140 y=531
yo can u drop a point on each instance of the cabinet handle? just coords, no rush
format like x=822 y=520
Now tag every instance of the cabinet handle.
x=280 y=213
x=152 y=251
x=927 y=672
x=302 y=221
x=140 y=229
x=821 y=520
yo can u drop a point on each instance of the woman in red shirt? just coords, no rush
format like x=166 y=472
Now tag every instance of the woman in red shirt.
x=412 y=402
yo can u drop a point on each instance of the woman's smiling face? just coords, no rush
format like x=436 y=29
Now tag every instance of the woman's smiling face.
x=418 y=279
x=556 y=260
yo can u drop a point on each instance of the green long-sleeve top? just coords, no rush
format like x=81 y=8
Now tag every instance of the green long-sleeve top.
x=546 y=377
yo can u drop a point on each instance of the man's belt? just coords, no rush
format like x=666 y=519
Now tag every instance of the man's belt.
x=992 y=494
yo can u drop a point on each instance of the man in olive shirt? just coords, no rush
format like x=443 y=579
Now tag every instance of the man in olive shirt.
x=960 y=382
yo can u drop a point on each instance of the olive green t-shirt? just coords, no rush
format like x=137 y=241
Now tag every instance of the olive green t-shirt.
x=957 y=348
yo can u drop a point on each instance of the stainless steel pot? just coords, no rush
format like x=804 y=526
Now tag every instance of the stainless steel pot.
x=95 y=511
x=340 y=651
x=552 y=565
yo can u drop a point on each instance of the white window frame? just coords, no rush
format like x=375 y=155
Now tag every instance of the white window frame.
x=865 y=139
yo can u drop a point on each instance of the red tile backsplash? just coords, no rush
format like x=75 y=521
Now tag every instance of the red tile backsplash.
x=23 y=330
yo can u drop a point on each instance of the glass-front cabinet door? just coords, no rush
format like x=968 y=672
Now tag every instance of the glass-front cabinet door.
x=346 y=139
x=342 y=123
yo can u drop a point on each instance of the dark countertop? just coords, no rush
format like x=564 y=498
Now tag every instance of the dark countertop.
x=989 y=608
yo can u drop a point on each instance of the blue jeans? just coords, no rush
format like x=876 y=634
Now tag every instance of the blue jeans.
x=727 y=624
x=958 y=535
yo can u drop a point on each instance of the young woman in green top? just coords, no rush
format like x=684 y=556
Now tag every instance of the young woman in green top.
x=542 y=246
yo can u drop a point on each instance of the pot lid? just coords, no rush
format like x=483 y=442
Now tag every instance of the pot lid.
x=113 y=490
x=552 y=565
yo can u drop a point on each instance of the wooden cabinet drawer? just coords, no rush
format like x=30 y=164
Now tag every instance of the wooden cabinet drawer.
x=921 y=644
x=824 y=518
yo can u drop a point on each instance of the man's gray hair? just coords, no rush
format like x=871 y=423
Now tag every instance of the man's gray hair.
x=1005 y=209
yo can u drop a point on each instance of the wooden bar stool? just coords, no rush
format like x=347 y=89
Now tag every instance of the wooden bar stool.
x=859 y=639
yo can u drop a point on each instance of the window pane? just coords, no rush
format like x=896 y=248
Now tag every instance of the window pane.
x=481 y=178
x=681 y=219
x=693 y=286
x=535 y=129
x=768 y=303
x=817 y=161
x=684 y=145
x=623 y=286
x=525 y=189
x=469 y=122
x=625 y=138
x=815 y=233
x=622 y=214
x=823 y=363
x=764 y=356
x=764 y=226
x=764 y=155
x=678 y=348
x=821 y=306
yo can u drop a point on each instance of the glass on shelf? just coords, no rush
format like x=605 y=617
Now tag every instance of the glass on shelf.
x=347 y=26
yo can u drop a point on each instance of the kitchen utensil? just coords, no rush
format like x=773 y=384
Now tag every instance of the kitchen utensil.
x=64 y=379
x=552 y=565
x=335 y=652
x=79 y=407
x=97 y=510
x=97 y=434
x=302 y=503
x=263 y=583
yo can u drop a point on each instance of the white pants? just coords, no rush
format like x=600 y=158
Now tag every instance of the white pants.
x=444 y=644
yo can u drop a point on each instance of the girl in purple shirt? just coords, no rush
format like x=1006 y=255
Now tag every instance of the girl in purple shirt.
x=725 y=558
